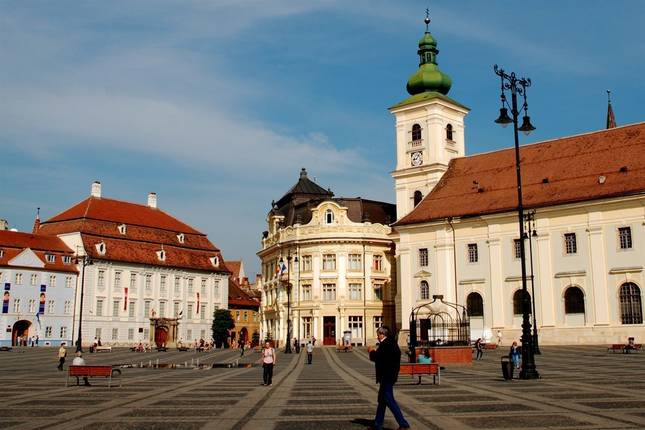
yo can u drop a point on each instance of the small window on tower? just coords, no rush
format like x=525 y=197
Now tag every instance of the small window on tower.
x=417 y=197
x=449 y=132
x=416 y=132
x=122 y=228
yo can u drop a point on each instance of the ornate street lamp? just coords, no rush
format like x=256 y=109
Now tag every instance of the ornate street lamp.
x=287 y=348
x=85 y=261
x=530 y=233
x=518 y=86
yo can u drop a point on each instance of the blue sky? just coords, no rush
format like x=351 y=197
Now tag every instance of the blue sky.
x=216 y=105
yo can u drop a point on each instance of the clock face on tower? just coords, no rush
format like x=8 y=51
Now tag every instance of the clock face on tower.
x=417 y=158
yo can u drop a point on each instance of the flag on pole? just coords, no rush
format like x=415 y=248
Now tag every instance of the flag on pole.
x=282 y=268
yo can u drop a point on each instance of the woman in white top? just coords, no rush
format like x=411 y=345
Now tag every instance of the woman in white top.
x=268 y=361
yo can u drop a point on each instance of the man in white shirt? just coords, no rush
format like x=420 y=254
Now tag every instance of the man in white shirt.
x=80 y=361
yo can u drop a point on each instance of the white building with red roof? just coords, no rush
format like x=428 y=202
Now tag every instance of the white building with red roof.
x=458 y=236
x=38 y=275
x=147 y=266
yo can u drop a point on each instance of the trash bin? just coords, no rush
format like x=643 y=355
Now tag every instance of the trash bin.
x=507 y=368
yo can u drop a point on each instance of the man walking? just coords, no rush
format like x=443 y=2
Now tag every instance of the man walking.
x=310 y=352
x=387 y=359
x=62 y=353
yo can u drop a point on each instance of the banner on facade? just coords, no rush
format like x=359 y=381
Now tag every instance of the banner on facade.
x=125 y=302
x=197 y=302
x=5 y=298
x=43 y=297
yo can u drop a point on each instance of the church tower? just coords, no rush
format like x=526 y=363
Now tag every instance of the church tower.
x=429 y=129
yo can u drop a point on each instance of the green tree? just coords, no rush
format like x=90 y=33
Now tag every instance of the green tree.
x=222 y=323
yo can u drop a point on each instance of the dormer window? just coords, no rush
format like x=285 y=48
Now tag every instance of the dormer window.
x=1 y=253
x=122 y=228
x=101 y=248
x=50 y=258
x=329 y=216
x=161 y=255
x=416 y=132
x=180 y=237
x=449 y=132
x=67 y=259
x=214 y=261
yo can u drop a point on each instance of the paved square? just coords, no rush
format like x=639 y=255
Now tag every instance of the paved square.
x=581 y=388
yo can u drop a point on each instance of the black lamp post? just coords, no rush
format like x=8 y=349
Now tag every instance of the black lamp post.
x=85 y=261
x=518 y=86
x=287 y=348
x=531 y=232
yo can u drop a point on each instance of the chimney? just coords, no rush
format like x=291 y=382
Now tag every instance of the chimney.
x=96 y=189
x=152 y=200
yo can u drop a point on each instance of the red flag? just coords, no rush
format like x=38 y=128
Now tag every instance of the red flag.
x=125 y=302
x=198 y=302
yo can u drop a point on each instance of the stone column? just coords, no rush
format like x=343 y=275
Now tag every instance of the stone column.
x=497 y=291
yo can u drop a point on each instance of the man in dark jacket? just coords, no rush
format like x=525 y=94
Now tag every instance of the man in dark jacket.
x=387 y=359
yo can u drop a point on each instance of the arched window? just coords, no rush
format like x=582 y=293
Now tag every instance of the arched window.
x=329 y=216
x=574 y=301
x=631 y=311
x=416 y=132
x=517 y=302
x=417 y=197
x=424 y=291
x=449 y=132
x=475 y=305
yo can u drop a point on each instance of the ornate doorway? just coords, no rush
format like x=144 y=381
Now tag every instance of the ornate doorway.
x=161 y=335
x=20 y=328
x=329 y=330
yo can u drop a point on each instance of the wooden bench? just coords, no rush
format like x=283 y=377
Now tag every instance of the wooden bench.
x=182 y=348
x=625 y=348
x=103 y=349
x=93 y=371
x=162 y=349
x=420 y=369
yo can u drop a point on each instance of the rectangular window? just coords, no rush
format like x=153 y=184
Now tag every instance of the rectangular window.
x=32 y=306
x=329 y=262
x=68 y=282
x=215 y=289
x=18 y=278
x=146 y=333
x=329 y=292
x=203 y=333
x=51 y=307
x=189 y=334
x=48 y=331
x=355 y=262
x=50 y=258
x=473 y=253
x=130 y=334
x=34 y=279
x=148 y=283
x=306 y=263
x=237 y=315
x=356 y=327
x=355 y=291
x=132 y=309
x=203 y=287
x=378 y=292
x=115 y=308
x=202 y=312
x=146 y=308
x=306 y=292
x=133 y=281
x=100 y=280
x=177 y=286
x=97 y=333
x=378 y=322
x=306 y=326
x=63 y=332
x=16 y=306
x=423 y=257
x=175 y=309
x=246 y=316
x=115 y=334
x=570 y=244
x=162 y=285
x=117 y=279
x=377 y=263
x=67 y=259
x=52 y=280
x=68 y=307
x=517 y=249
x=189 y=311
x=625 y=237
x=99 y=307
x=162 y=309
x=190 y=285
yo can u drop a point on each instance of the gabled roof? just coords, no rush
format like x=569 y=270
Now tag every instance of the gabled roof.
x=598 y=165
x=14 y=243
x=103 y=209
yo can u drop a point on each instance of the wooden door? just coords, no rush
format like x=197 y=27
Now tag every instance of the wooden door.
x=329 y=330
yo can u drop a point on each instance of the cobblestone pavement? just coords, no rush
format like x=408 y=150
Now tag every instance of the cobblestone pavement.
x=581 y=388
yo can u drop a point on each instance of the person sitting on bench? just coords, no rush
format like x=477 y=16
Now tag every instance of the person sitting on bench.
x=79 y=361
x=424 y=357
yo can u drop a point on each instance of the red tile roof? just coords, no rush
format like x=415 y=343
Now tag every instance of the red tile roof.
x=238 y=298
x=147 y=230
x=598 y=165
x=12 y=243
x=234 y=267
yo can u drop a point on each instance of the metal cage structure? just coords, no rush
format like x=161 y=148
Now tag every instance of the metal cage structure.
x=439 y=323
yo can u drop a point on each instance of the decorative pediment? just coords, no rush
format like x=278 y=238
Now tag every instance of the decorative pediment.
x=27 y=258
x=422 y=274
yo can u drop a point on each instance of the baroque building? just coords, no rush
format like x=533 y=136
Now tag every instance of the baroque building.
x=39 y=278
x=458 y=233
x=327 y=267
x=152 y=278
